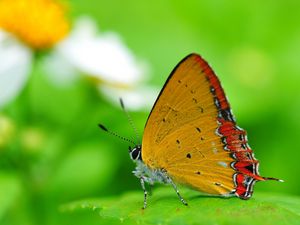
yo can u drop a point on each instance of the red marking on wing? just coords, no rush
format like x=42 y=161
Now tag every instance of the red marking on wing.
x=241 y=189
x=234 y=139
x=245 y=163
x=215 y=83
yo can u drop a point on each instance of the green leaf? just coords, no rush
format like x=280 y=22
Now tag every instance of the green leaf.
x=9 y=192
x=165 y=208
x=88 y=167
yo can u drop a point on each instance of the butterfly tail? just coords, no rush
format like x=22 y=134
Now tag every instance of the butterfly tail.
x=272 y=178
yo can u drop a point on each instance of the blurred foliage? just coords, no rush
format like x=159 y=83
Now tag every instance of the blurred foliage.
x=53 y=152
x=166 y=208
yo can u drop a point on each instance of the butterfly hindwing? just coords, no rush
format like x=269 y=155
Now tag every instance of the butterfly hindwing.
x=191 y=134
x=180 y=132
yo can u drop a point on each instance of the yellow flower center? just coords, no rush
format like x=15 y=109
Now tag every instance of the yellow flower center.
x=38 y=23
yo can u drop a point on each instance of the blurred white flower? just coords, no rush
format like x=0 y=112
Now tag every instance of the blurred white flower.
x=26 y=26
x=82 y=50
x=105 y=58
x=101 y=55
x=15 y=64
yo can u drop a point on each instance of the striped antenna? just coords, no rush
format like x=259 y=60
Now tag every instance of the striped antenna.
x=116 y=135
x=130 y=121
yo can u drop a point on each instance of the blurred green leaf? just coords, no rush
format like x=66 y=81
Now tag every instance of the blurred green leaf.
x=87 y=168
x=165 y=208
x=9 y=191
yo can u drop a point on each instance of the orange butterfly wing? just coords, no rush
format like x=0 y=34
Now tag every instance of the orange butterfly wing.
x=192 y=135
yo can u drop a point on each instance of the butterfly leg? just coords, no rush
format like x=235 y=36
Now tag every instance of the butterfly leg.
x=176 y=189
x=145 y=191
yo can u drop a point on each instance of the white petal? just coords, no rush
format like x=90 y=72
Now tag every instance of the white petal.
x=136 y=99
x=15 y=66
x=101 y=55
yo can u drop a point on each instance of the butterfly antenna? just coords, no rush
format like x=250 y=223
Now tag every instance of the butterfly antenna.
x=116 y=135
x=130 y=121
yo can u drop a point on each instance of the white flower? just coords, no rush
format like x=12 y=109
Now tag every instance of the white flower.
x=104 y=57
x=15 y=65
x=85 y=51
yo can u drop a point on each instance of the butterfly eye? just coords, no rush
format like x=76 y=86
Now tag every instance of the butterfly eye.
x=135 y=153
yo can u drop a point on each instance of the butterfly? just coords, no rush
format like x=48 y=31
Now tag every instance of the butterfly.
x=191 y=137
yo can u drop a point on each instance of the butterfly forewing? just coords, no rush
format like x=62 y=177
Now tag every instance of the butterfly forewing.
x=181 y=132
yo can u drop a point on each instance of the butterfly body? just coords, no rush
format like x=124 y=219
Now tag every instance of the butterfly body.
x=191 y=137
x=150 y=175
x=143 y=171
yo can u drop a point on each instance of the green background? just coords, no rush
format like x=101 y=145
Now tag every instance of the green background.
x=253 y=48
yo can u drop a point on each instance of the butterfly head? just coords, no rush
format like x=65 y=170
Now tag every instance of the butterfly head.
x=136 y=153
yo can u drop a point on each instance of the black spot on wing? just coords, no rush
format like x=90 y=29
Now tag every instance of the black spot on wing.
x=201 y=109
x=250 y=168
x=226 y=115
x=213 y=90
